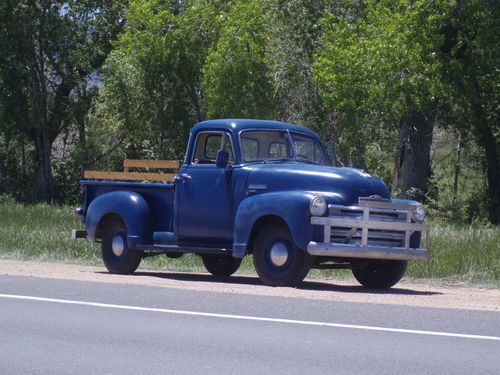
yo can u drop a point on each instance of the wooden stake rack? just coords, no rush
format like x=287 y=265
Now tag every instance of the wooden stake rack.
x=127 y=175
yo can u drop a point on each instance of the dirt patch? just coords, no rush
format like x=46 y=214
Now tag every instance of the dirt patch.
x=410 y=294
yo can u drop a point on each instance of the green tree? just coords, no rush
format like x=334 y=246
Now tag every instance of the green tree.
x=151 y=94
x=236 y=75
x=378 y=69
x=49 y=49
x=470 y=55
x=294 y=27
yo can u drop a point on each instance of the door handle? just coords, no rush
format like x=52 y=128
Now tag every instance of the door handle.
x=182 y=177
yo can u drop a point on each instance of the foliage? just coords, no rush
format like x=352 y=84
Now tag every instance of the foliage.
x=295 y=29
x=378 y=61
x=236 y=75
x=129 y=79
x=152 y=79
x=45 y=80
x=470 y=56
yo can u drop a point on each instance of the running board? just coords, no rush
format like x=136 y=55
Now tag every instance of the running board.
x=163 y=248
x=164 y=237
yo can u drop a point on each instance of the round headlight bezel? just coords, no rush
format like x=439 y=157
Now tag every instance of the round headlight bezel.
x=418 y=213
x=317 y=206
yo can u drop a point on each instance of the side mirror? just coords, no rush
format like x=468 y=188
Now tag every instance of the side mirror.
x=222 y=159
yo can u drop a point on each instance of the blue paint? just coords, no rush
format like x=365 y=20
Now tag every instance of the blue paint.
x=130 y=206
x=158 y=197
x=290 y=206
x=216 y=206
x=205 y=204
x=346 y=184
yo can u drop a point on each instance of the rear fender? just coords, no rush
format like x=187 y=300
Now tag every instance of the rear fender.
x=290 y=206
x=131 y=207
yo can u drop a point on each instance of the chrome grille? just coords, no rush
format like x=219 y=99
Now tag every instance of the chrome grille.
x=373 y=229
x=369 y=210
x=356 y=212
x=375 y=237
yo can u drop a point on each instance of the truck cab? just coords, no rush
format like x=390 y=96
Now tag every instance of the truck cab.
x=260 y=188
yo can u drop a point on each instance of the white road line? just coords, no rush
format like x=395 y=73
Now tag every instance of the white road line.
x=251 y=318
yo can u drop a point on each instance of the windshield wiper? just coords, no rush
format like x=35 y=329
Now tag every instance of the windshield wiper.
x=279 y=159
x=307 y=161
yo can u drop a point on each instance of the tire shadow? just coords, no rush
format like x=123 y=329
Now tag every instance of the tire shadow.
x=308 y=284
x=322 y=286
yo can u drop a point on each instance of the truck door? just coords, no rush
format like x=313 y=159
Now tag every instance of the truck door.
x=204 y=205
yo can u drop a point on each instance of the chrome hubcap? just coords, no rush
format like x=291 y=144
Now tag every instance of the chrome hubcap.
x=279 y=254
x=118 y=245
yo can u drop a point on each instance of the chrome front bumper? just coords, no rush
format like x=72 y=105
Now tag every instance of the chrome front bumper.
x=373 y=229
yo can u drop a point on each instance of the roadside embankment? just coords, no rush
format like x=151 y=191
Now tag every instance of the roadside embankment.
x=419 y=294
x=463 y=255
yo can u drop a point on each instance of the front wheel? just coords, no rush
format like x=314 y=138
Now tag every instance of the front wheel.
x=381 y=275
x=117 y=256
x=277 y=260
x=221 y=265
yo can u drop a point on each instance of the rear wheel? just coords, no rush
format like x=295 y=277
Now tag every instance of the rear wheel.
x=117 y=256
x=381 y=275
x=221 y=265
x=277 y=260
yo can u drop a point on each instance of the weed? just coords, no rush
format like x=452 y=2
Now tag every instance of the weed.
x=467 y=254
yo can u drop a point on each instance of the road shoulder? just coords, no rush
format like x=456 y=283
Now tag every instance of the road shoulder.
x=404 y=294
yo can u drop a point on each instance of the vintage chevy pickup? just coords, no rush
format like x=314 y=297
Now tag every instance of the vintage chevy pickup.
x=257 y=187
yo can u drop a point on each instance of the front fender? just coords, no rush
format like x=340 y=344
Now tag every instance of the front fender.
x=290 y=206
x=130 y=206
x=416 y=237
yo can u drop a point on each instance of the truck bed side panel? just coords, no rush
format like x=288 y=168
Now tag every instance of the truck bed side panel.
x=159 y=197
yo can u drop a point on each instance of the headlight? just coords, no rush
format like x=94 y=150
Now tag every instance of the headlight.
x=317 y=207
x=419 y=213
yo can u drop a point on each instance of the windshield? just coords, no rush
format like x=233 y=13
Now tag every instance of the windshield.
x=309 y=150
x=269 y=145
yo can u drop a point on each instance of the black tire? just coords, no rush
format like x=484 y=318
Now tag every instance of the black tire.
x=381 y=275
x=287 y=270
x=121 y=260
x=221 y=265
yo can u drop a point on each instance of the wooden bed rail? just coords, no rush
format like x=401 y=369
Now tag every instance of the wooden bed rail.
x=126 y=175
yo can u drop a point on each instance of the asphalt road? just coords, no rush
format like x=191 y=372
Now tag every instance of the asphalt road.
x=50 y=326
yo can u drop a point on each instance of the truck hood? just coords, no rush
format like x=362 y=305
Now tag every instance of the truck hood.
x=337 y=185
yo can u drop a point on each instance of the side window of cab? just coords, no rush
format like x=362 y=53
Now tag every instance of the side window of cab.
x=207 y=145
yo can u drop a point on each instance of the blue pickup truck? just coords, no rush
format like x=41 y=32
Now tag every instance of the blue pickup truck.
x=263 y=188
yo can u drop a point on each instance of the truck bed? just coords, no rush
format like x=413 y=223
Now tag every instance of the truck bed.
x=159 y=196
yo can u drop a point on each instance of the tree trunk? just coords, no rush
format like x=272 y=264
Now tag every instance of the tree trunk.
x=413 y=155
x=23 y=157
x=458 y=157
x=487 y=141
x=43 y=168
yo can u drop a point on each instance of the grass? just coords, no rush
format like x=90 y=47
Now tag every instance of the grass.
x=468 y=255
x=42 y=232
x=462 y=254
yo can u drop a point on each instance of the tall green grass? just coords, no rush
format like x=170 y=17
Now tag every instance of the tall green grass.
x=42 y=232
x=459 y=253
